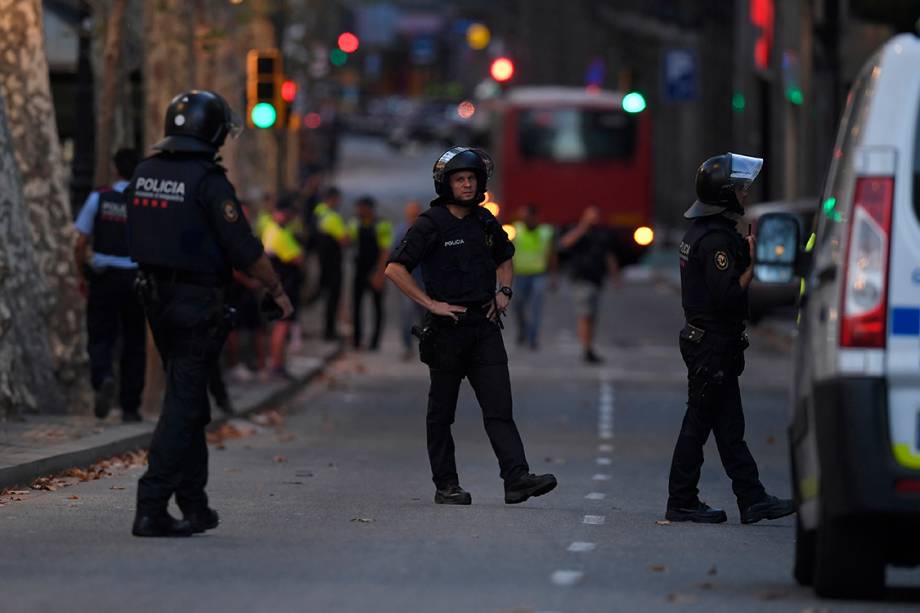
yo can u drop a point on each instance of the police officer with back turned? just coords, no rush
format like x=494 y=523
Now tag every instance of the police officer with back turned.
x=187 y=233
x=464 y=255
x=716 y=268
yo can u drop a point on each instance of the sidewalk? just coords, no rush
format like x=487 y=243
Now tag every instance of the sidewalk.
x=46 y=444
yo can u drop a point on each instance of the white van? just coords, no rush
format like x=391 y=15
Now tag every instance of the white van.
x=855 y=431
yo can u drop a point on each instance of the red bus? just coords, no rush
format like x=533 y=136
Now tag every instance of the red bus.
x=564 y=149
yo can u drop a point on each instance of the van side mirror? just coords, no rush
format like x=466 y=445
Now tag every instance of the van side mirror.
x=777 y=248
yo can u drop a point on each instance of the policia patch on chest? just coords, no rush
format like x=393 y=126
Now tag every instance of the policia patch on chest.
x=721 y=260
x=229 y=210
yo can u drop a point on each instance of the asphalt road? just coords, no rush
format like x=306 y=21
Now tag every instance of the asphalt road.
x=332 y=509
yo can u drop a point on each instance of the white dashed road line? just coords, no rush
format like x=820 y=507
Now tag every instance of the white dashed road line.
x=594 y=520
x=566 y=578
x=601 y=477
x=581 y=547
x=596 y=496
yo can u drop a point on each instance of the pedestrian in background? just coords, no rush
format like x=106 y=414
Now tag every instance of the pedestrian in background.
x=332 y=237
x=534 y=256
x=466 y=261
x=286 y=255
x=410 y=312
x=187 y=233
x=590 y=250
x=372 y=238
x=716 y=269
x=113 y=312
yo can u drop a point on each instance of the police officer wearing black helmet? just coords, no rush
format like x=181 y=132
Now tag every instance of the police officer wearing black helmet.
x=187 y=233
x=716 y=268
x=465 y=257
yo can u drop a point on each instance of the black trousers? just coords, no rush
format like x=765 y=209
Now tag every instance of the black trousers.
x=185 y=326
x=474 y=350
x=331 y=285
x=113 y=311
x=713 y=405
x=362 y=284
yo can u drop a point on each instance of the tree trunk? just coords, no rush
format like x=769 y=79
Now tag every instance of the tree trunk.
x=111 y=76
x=26 y=90
x=26 y=367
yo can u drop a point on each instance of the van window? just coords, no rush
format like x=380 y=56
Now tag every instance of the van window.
x=837 y=201
x=917 y=163
x=576 y=135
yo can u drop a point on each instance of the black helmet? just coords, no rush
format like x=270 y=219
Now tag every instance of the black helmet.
x=462 y=158
x=716 y=181
x=198 y=122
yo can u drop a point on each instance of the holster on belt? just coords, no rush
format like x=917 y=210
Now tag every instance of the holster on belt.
x=727 y=342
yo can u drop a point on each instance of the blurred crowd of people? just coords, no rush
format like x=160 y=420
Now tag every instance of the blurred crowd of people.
x=308 y=237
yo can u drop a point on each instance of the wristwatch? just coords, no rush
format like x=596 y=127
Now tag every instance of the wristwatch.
x=506 y=291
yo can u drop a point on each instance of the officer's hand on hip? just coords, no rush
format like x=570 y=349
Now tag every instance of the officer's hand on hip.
x=284 y=302
x=446 y=310
x=498 y=306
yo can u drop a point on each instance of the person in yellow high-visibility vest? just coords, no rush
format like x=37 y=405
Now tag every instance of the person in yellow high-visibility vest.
x=372 y=238
x=534 y=261
x=287 y=257
x=332 y=237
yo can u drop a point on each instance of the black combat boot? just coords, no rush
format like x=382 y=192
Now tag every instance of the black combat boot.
x=104 y=397
x=452 y=494
x=702 y=513
x=770 y=507
x=528 y=486
x=160 y=524
x=205 y=519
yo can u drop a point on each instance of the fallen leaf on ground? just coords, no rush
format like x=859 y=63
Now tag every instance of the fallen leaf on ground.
x=681 y=598
x=706 y=585
x=292 y=482
x=73 y=498
x=776 y=594
x=363 y=520
x=117 y=487
x=280 y=459
x=44 y=483
x=18 y=492
x=303 y=473
x=662 y=522
x=270 y=417
x=658 y=568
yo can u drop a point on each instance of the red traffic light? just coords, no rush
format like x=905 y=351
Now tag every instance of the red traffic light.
x=502 y=69
x=348 y=42
x=288 y=90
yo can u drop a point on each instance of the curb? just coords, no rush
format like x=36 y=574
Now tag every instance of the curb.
x=90 y=452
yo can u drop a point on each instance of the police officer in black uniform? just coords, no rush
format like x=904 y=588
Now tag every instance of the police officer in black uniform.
x=464 y=255
x=187 y=232
x=113 y=313
x=716 y=268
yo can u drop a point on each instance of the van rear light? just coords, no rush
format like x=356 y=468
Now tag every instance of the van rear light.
x=906 y=486
x=865 y=281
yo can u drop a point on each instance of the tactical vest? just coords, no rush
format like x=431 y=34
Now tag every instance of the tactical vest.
x=168 y=226
x=532 y=248
x=110 y=230
x=460 y=269
x=698 y=303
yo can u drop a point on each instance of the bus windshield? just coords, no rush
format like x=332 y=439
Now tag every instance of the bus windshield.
x=576 y=135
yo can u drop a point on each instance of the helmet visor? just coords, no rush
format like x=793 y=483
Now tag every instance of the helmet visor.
x=744 y=169
x=234 y=123
x=441 y=164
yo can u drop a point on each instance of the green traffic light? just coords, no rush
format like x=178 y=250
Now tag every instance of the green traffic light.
x=633 y=102
x=338 y=57
x=795 y=96
x=263 y=115
x=738 y=101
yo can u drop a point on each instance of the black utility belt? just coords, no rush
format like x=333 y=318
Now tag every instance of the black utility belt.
x=167 y=276
x=475 y=313
x=717 y=338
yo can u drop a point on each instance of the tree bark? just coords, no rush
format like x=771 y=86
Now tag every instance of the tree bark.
x=26 y=90
x=111 y=76
x=26 y=367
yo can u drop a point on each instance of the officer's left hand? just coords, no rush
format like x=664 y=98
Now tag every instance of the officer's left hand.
x=501 y=302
